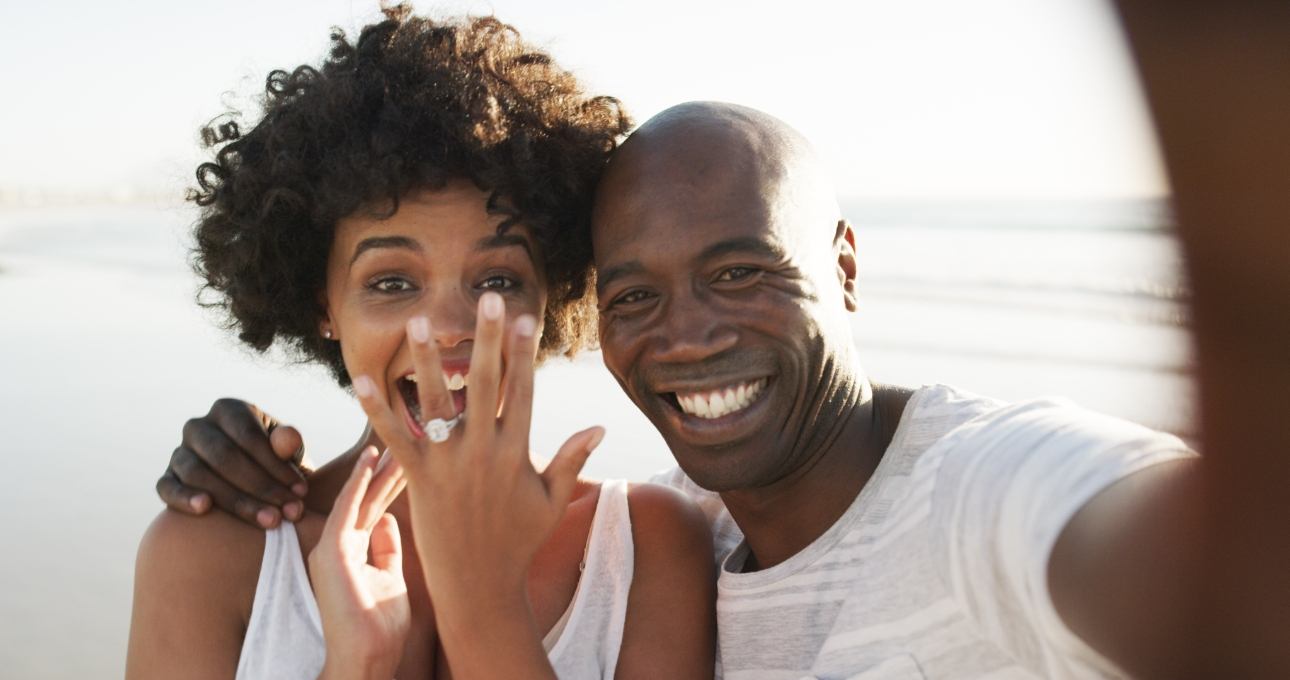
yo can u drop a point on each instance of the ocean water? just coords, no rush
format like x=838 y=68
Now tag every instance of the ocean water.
x=104 y=356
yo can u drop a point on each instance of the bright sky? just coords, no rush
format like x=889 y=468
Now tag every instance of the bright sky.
x=990 y=99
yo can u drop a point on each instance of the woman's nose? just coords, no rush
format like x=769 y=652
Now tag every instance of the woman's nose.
x=452 y=317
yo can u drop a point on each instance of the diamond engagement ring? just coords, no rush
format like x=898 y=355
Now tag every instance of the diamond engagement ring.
x=438 y=429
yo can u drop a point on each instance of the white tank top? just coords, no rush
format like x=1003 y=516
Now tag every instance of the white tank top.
x=284 y=638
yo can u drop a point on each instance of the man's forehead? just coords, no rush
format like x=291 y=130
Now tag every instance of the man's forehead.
x=704 y=172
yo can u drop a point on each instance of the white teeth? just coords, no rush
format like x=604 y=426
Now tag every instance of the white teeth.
x=721 y=402
x=716 y=404
x=454 y=382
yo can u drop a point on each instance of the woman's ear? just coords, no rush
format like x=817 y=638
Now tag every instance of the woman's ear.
x=326 y=327
x=844 y=243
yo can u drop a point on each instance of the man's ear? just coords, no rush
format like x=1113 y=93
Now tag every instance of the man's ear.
x=844 y=244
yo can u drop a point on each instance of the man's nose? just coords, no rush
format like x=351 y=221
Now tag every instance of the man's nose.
x=692 y=329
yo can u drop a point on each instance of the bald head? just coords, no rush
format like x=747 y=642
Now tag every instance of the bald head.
x=722 y=150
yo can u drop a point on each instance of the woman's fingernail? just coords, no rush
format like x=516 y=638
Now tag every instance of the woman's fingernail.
x=596 y=437
x=364 y=387
x=266 y=517
x=419 y=328
x=300 y=488
x=199 y=503
x=491 y=306
x=293 y=510
x=525 y=325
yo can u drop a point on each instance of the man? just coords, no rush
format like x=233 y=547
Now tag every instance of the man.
x=866 y=529
x=882 y=529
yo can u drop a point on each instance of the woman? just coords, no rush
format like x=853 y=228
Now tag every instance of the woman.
x=424 y=172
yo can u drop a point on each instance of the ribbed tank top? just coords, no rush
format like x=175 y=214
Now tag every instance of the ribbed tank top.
x=284 y=638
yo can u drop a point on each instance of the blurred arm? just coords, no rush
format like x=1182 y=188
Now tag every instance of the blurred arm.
x=1217 y=76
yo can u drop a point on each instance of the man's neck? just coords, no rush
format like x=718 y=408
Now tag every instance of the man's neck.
x=781 y=519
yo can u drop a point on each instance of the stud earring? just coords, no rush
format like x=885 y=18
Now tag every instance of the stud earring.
x=327 y=334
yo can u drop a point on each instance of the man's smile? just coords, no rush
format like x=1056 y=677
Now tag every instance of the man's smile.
x=716 y=413
x=722 y=401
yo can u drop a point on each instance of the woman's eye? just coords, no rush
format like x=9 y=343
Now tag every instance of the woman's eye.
x=498 y=282
x=736 y=273
x=390 y=284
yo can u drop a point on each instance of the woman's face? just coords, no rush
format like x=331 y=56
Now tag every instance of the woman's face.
x=434 y=257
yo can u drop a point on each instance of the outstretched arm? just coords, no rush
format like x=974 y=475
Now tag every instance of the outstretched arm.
x=1207 y=541
x=1217 y=76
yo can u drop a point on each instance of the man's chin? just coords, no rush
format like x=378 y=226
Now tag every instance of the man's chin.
x=720 y=469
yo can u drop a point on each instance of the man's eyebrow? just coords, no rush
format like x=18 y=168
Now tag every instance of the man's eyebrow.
x=751 y=245
x=607 y=275
x=383 y=242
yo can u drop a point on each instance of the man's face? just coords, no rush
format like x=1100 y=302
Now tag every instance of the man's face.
x=718 y=317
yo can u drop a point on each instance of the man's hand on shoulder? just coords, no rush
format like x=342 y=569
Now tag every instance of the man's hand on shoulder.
x=240 y=460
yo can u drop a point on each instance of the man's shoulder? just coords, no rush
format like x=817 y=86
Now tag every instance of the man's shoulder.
x=1022 y=425
x=950 y=406
x=947 y=417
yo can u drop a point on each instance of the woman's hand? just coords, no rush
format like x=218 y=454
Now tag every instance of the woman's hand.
x=363 y=602
x=480 y=511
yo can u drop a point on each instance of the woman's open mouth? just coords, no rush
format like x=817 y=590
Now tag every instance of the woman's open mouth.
x=407 y=386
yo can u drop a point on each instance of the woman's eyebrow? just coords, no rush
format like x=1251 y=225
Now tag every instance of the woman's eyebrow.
x=505 y=240
x=383 y=242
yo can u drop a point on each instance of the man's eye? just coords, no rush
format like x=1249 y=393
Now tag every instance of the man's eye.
x=630 y=297
x=736 y=273
x=498 y=282
x=390 y=284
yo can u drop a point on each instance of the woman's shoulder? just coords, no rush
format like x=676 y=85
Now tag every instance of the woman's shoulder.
x=194 y=584
x=213 y=558
x=666 y=522
x=670 y=629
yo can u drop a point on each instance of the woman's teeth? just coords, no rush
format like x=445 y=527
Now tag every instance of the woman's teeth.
x=721 y=402
x=454 y=382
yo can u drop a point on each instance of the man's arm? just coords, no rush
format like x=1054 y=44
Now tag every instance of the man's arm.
x=1210 y=536
x=1124 y=571
x=241 y=460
